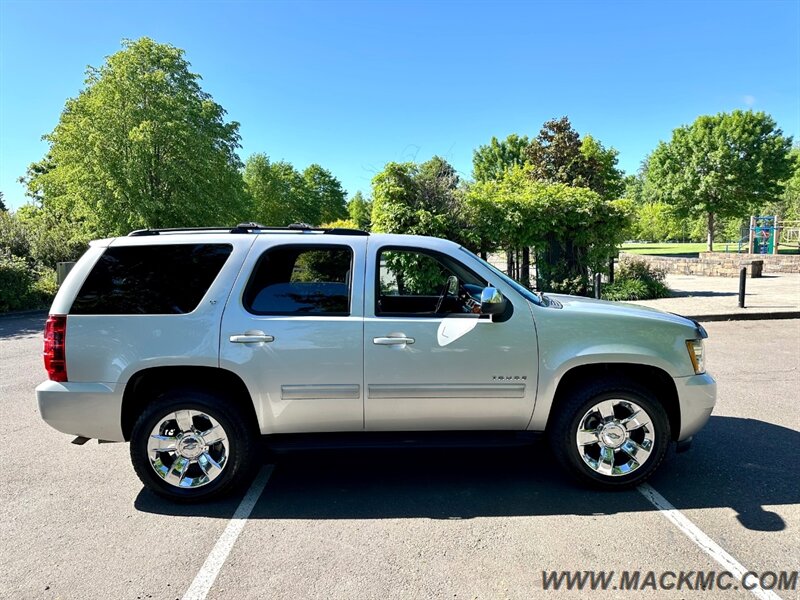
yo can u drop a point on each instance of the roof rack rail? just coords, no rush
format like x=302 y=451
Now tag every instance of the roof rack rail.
x=248 y=227
x=251 y=228
x=142 y=232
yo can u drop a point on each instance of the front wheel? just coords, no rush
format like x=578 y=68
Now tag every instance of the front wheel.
x=610 y=433
x=190 y=446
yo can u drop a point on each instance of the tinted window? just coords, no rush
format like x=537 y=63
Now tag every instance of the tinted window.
x=301 y=280
x=168 y=279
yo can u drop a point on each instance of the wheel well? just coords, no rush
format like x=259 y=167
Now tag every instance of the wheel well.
x=654 y=379
x=145 y=386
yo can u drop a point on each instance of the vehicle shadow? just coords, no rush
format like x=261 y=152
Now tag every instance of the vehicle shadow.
x=16 y=326
x=735 y=463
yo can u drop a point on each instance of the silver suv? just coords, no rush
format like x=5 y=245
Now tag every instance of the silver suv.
x=192 y=344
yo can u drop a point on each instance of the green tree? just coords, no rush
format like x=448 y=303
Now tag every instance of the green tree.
x=495 y=158
x=558 y=155
x=2 y=204
x=142 y=145
x=721 y=166
x=572 y=230
x=790 y=209
x=421 y=199
x=360 y=211
x=324 y=195
x=634 y=188
x=555 y=154
x=39 y=183
x=277 y=193
x=600 y=169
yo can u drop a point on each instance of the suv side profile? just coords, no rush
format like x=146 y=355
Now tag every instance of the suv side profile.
x=194 y=345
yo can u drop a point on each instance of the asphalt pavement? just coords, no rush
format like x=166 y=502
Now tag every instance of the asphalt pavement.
x=76 y=522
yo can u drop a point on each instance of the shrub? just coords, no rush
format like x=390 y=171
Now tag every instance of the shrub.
x=44 y=287
x=636 y=279
x=14 y=237
x=23 y=288
x=16 y=280
x=627 y=289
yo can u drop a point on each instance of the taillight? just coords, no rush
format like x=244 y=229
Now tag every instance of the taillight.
x=55 y=333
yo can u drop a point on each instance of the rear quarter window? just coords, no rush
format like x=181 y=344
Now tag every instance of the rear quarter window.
x=161 y=279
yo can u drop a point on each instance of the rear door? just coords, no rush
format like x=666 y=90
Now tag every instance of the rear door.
x=293 y=330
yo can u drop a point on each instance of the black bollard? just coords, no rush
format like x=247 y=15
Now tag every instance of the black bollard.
x=597 y=284
x=742 y=282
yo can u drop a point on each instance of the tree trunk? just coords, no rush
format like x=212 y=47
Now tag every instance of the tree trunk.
x=510 y=262
x=711 y=232
x=526 y=267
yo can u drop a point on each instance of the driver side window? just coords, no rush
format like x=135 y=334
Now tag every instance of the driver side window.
x=421 y=283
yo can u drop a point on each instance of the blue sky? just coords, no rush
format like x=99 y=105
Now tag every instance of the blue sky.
x=354 y=85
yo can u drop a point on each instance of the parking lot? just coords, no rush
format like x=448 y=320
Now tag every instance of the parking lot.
x=454 y=523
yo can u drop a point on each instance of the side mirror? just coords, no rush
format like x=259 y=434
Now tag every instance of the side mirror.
x=492 y=301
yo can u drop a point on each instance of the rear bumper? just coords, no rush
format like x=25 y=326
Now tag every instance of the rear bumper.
x=696 y=395
x=93 y=410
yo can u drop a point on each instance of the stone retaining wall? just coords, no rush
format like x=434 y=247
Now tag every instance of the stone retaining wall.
x=720 y=264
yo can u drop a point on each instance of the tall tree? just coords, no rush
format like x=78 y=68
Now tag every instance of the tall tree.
x=555 y=154
x=721 y=166
x=493 y=160
x=600 y=169
x=2 y=204
x=422 y=199
x=277 y=193
x=558 y=155
x=324 y=194
x=790 y=201
x=280 y=195
x=142 y=145
x=360 y=210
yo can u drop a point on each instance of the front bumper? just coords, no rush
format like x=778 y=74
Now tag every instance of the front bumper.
x=696 y=395
x=93 y=410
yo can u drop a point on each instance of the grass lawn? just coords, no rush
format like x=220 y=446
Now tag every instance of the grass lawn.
x=690 y=249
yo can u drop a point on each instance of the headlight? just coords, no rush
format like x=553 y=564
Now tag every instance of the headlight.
x=697 y=354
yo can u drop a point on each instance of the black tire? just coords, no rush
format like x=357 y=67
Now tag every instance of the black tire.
x=563 y=432
x=241 y=436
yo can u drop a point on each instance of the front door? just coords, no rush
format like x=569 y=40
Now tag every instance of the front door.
x=430 y=361
x=293 y=330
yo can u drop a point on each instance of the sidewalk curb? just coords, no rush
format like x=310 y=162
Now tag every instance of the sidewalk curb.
x=754 y=316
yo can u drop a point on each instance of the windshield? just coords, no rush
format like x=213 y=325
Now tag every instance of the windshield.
x=526 y=293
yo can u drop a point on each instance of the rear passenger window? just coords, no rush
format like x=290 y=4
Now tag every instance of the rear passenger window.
x=301 y=280
x=150 y=280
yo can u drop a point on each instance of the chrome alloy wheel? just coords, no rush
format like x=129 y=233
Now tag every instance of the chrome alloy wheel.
x=188 y=448
x=615 y=437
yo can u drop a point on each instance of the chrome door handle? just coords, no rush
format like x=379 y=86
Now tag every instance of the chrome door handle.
x=247 y=338
x=392 y=341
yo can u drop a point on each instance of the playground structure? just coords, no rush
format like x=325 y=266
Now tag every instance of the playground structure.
x=767 y=234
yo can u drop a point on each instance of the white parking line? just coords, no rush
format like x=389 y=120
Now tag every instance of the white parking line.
x=706 y=544
x=208 y=572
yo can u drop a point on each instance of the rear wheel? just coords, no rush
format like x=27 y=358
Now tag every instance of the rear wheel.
x=189 y=446
x=612 y=433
